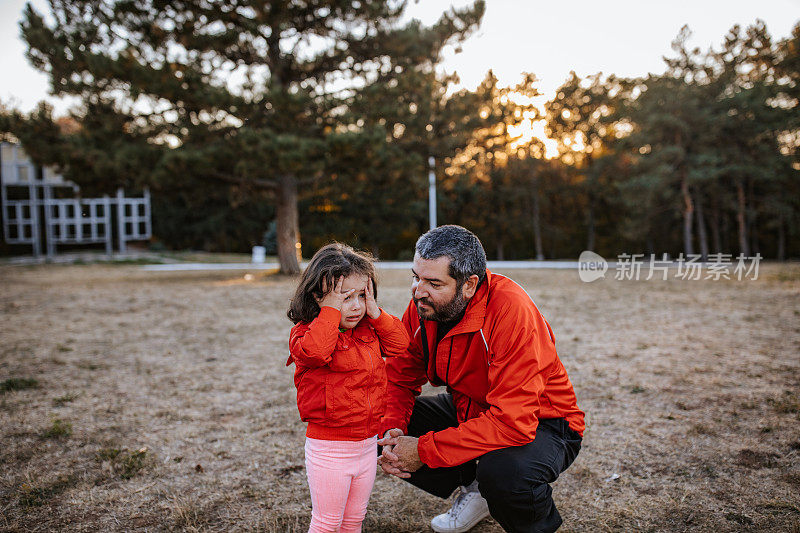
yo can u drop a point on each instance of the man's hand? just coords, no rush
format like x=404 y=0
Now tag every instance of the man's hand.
x=388 y=460
x=407 y=454
x=399 y=457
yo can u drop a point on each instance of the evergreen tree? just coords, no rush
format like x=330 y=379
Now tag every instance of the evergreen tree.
x=250 y=93
x=578 y=118
x=406 y=116
x=754 y=115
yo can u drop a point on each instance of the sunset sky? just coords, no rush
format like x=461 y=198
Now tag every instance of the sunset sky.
x=547 y=38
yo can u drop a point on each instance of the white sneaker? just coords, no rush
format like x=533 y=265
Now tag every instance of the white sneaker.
x=468 y=509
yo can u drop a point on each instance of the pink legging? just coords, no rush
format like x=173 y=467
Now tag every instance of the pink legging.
x=340 y=475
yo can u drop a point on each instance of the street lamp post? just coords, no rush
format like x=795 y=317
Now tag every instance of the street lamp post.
x=432 y=191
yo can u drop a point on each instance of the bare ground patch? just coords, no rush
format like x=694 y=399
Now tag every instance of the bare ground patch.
x=136 y=401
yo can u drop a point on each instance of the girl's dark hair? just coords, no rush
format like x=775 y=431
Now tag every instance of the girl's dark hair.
x=330 y=262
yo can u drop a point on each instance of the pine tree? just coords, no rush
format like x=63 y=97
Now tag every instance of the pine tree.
x=249 y=93
x=579 y=119
x=498 y=189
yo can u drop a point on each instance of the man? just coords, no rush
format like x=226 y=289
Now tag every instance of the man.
x=509 y=423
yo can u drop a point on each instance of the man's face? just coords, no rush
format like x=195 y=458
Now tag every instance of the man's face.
x=434 y=292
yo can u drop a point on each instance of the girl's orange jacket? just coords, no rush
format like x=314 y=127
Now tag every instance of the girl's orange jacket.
x=501 y=367
x=340 y=376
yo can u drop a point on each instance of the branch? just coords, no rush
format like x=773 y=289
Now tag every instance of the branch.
x=257 y=182
x=312 y=179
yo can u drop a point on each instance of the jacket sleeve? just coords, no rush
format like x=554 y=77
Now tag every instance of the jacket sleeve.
x=406 y=375
x=312 y=345
x=521 y=352
x=392 y=334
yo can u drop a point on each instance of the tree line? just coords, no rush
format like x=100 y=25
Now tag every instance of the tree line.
x=318 y=120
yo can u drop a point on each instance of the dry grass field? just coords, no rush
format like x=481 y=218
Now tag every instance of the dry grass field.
x=155 y=401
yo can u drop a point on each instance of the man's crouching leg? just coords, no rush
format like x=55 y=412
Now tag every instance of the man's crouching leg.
x=435 y=413
x=516 y=481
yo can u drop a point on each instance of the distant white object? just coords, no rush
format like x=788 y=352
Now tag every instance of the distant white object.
x=259 y=254
x=384 y=265
x=73 y=220
x=613 y=477
x=432 y=191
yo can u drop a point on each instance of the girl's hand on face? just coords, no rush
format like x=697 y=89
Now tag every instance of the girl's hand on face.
x=373 y=311
x=335 y=297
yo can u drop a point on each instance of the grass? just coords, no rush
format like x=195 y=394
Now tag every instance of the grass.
x=90 y=365
x=64 y=399
x=15 y=384
x=789 y=274
x=58 y=429
x=36 y=495
x=187 y=417
x=130 y=261
x=789 y=403
x=780 y=506
x=124 y=463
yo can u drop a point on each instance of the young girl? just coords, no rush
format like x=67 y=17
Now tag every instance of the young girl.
x=337 y=344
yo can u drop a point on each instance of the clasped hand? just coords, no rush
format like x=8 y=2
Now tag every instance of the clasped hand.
x=399 y=456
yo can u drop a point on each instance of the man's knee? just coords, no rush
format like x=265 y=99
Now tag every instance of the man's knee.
x=432 y=413
x=517 y=490
x=499 y=474
x=508 y=473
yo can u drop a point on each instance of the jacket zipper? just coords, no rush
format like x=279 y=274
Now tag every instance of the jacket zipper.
x=371 y=376
x=449 y=357
x=426 y=352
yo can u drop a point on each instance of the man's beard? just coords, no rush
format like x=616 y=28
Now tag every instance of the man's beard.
x=444 y=313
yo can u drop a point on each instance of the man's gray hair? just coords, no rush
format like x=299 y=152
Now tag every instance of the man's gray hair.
x=463 y=247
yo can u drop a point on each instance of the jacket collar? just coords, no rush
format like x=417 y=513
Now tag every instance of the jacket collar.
x=362 y=331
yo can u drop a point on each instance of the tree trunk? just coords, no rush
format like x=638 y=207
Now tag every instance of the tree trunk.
x=755 y=244
x=726 y=233
x=537 y=230
x=499 y=248
x=715 y=228
x=590 y=224
x=781 y=241
x=741 y=214
x=701 y=227
x=688 y=211
x=752 y=219
x=287 y=225
x=590 y=237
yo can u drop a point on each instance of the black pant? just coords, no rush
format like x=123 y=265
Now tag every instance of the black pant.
x=514 y=481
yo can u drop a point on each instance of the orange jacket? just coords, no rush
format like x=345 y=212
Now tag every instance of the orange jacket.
x=340 y=376
x=501 y=367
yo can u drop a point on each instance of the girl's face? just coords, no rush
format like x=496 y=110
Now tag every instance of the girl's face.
x=355 y=305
